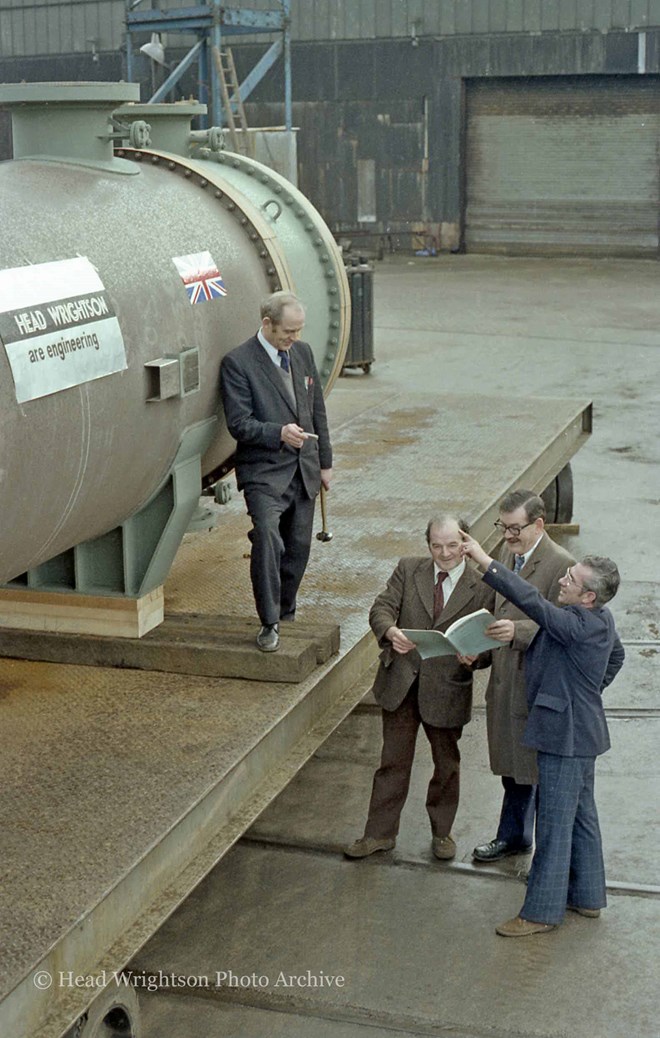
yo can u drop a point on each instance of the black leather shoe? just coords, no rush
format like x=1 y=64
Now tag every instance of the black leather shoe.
x=268 y=639
x=495 y=850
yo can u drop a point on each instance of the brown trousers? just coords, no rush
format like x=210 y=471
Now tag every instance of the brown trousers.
x=392 y=779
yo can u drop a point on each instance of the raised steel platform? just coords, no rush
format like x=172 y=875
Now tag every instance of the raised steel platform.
x=123 y=788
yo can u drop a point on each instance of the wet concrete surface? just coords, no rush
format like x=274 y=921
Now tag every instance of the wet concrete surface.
x=324 y=807
x=416 y=949
x=413 y=937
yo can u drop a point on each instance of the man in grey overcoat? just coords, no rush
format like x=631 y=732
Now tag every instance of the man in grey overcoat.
x=422 y=593
x=536 y=558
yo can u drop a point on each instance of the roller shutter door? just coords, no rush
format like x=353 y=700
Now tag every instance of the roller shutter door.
x=563 y=165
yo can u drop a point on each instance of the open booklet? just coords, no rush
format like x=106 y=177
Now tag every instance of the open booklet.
x=465 y=636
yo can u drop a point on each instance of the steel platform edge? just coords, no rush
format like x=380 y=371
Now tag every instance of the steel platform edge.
x=174 y=866
x=398 y=447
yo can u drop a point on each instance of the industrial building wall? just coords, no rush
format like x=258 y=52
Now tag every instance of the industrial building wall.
x=37 y=27
x=384 y=144
x=382 y=89
x=40 y=27
x=383 y=19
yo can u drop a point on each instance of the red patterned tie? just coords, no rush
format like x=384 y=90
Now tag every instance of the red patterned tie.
x=438 y=596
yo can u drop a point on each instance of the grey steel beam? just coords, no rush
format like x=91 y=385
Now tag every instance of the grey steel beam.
x=288 y=106
x=203 y=17
x=176 y=73
x=263 y=66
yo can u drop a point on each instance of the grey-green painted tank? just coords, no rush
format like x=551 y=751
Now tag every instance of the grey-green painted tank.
x=124 y=279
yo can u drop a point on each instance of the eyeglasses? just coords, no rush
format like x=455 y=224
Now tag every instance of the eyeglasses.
x=571 y=580
x=514 y=530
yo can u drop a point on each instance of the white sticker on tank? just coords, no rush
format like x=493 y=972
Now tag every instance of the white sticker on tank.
x=58 y=327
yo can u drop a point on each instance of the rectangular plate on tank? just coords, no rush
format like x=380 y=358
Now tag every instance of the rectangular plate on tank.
x=58 y=327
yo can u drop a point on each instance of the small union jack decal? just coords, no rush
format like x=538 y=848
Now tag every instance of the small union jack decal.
x=201 y=277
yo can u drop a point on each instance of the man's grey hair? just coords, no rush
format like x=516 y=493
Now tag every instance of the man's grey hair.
x=604 y=580
x=533 y=504
x=273 y=305
x=442 y=520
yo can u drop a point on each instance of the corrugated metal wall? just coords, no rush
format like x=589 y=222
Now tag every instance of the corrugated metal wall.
x=378 y=19
x=369 y=19
x=30 y=28
x=337 y=137
x=34 y=27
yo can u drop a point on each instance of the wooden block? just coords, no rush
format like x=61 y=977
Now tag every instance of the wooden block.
x=178 y=649
x=67 y=612
x=325 y=637
x=567 y=528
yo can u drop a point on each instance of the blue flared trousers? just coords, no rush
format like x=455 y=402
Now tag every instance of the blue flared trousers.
x=567 y=868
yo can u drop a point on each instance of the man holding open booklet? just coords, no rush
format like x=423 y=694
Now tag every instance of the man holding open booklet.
x=429 y=623
x=465 y=637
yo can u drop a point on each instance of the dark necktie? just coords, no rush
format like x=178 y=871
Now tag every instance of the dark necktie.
x=284 y=360
x=518 y=563
x=438 y=595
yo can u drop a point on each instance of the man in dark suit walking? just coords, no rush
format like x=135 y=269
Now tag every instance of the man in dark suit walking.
x=422 y=594
x=274 y=407
x=573 y=657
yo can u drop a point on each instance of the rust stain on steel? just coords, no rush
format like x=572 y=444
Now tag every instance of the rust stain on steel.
x=397 y=430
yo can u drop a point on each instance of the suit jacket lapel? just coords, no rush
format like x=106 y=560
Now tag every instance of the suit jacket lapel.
x=530 y=566
x=268 y=368
x=537 y=557
x=424 y=583
x=298 y=377
x=459 y=598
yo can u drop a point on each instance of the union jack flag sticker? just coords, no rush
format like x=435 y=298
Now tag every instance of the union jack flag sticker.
x=201 y=277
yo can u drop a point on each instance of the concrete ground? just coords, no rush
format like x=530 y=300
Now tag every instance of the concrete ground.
x=412 y=938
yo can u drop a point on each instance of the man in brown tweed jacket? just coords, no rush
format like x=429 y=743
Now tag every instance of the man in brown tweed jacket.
x=422 y=593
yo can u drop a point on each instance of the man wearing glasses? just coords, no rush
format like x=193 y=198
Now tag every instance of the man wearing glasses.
x=574 y=656
x=528 y=551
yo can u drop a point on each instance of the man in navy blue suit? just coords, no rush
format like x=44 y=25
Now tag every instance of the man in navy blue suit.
x=273 y=401
x=575 y=654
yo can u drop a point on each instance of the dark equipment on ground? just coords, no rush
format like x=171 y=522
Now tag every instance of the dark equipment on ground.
x=360 y=352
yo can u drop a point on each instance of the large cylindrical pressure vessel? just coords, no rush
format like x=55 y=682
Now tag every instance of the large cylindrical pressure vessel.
x=122 y=286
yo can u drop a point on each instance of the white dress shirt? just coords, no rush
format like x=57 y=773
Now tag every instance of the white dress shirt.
x=270 y=349
x=528 y=554
x=451 y=580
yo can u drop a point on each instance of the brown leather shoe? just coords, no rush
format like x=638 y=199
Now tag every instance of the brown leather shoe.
x=366 y=846
x=590 y=913
x=520 y=927
x=444 y=847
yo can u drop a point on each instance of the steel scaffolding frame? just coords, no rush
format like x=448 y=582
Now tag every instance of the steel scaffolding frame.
x=212 y=21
